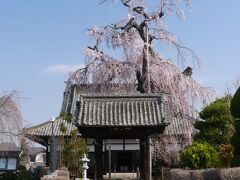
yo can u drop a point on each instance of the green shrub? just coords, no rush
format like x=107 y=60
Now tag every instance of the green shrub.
x=200 y=155
x=66 y=116
x=21 y=175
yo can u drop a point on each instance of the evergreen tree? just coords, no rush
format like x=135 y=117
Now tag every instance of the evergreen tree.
x=235 y=141
x=73 y=147
x=235 y=104
x=73 y=150
x=217 y=126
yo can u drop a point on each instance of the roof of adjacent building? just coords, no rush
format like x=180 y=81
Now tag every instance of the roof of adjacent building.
x=35 y=150
x=9 y=149
x=121 y=110
x=45 y=129
x=180 y=126
x=7 y=146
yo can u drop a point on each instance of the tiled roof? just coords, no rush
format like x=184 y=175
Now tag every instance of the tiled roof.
x=179 y=126
x=9 y=149
x=45 y=129
x=75 y=91
x=121 y=110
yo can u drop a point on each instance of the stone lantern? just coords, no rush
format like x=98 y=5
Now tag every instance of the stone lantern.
x=84 y=161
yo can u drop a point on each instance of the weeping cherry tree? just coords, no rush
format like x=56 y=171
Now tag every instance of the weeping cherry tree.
x=141 y=64
x=11 y=120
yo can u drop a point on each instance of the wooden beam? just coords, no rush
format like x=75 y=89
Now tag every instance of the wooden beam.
x=110 y=132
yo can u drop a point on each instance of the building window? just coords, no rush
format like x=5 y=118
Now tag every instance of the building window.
x=2 y=163
x=12 y=164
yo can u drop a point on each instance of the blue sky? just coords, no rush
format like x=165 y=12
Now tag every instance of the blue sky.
x=41 y=40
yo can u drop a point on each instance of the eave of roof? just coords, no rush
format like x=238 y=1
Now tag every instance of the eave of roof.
x=45 y=129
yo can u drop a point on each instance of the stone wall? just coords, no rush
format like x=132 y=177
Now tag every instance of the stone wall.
x=62 y=174
x=205 y=174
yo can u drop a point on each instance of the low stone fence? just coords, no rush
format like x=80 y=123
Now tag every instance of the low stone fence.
x=62 y=174
x=205 y=174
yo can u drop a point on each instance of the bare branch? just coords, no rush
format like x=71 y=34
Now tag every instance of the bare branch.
x=9 y=132
x=125 y=2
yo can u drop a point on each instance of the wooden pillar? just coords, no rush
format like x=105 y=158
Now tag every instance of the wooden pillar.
x=47 y=156
x=145 y=159
x=142 y=158
x=109 y=158
x=99 y=158
x=148 y=159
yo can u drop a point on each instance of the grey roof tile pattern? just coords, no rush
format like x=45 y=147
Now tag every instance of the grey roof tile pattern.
x=45 y=129
x=121 y=110
x=177 y=125
x=180 y=125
